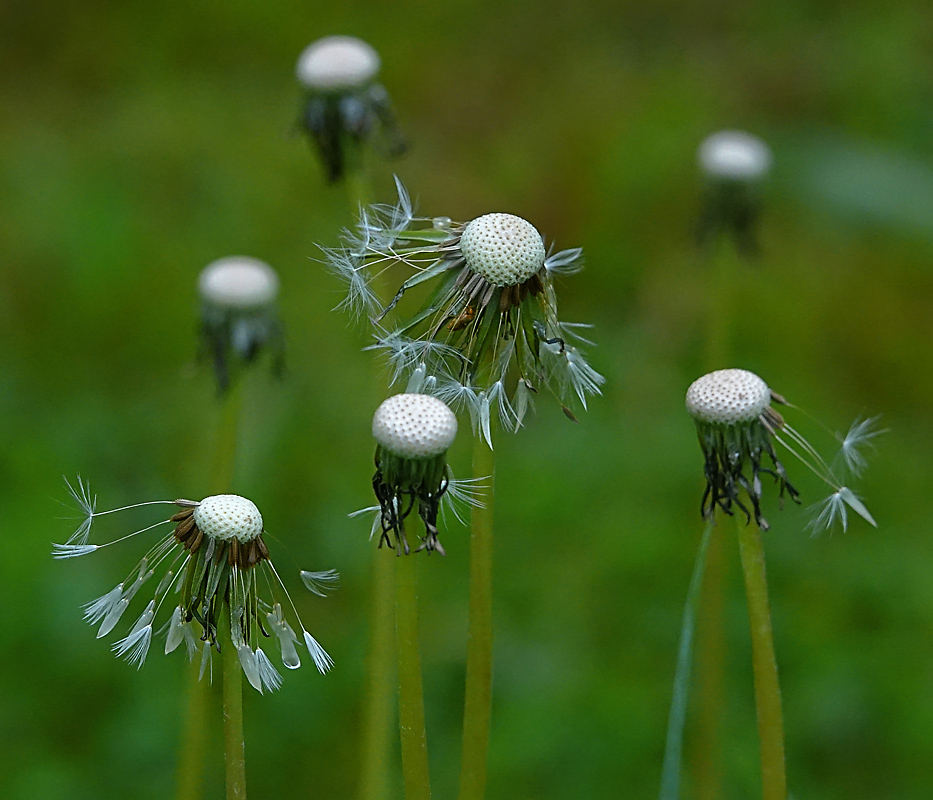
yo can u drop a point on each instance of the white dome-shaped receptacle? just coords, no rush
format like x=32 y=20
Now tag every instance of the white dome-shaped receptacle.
x=734 y=155
x=337 y=62
x=727 y=397
x=228 y=516
x=238 y=282
x=505 y=249
x=414 y=426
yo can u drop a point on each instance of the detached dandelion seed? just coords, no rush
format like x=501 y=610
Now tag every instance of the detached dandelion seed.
x=213 y=563
x=488 y=337
x=345 y=105
x=239 y=318
x=734 y=164
x=737 y=429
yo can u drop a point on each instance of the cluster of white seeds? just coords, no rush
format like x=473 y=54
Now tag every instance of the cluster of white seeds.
x=228 y=516
x=734 y=155
x=337 y=62
x=728 y=396
x=238 y=282
x=506 y=250
x=414 y=426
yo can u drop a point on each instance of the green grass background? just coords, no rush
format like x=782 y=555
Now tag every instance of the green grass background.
x=138 y=143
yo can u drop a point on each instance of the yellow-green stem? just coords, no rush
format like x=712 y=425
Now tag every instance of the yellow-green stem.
x=477 y=703
x=374 y=775
x=767 y=688
x=191 y=757
x=722 y=288
x=416 y=776
x=234 y=744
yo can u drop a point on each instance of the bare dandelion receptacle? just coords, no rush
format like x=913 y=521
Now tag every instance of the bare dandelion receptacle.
x=213 y=563
x=345 y=105
x=412 y=433
x=239 y=318
x=488 y=336
x=737 y=428
x=734 y=164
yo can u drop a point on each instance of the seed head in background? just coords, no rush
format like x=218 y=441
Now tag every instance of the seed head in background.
x=734 y=164
x=239 y=317
x=345 y=105
x=488 y=335
x=214 y=562
x=413 y=433
x=737 y=428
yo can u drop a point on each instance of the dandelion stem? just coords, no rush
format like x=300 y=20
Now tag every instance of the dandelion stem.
x=191 y=756
x=410 y=692
x=711 y=672
x=477 y=705
x=374 y=776
x=711 y=643
x=767 y=688
x=673 y=748
x=234 y=744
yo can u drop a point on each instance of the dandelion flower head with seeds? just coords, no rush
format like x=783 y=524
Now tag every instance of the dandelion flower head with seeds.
x=487 y=338
x=213 y=563
x=738 y=427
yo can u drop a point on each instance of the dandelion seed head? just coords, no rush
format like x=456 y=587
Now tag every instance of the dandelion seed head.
x=228 y=516
x=505 y=249
x=337 y=62
x=414 y=426
x=238 y=282
x=735 y=156
x=727 y=397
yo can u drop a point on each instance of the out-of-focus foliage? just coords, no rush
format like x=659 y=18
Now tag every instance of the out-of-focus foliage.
x=138 y=143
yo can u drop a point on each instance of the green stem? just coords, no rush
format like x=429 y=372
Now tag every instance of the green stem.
x=673 y=748
x=234 y=745
x=477 y=704
x=767 y=688
x=191 y=755
x=374 y=775
x=410 y=692
x=723 y=266
x=711 y=658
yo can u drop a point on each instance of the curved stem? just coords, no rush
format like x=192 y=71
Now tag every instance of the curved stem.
x=673 y=748
x=410 y=692
x=234 y=744
x=767 y=688
x=374 y=774
x=477 y=703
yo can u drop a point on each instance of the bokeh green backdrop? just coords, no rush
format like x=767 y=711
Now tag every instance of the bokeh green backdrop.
x=138 y=143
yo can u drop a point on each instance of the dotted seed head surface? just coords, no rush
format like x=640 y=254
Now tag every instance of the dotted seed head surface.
x=337 y=62
x=506 y=250
x=238 y=282
x=228 y=516
x=728 y=396
x=734 y=155
x=414 y=426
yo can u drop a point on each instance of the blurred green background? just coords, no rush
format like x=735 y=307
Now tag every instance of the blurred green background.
x=138 y=143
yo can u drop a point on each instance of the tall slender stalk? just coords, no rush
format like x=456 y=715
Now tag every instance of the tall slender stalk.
x=377 y=724
x=234 y=744
x=416 y=776
x=191 y=757
x=477 y=704
x=377 y=714
x=767 y=688
x=711 y=642
x=673 y=748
